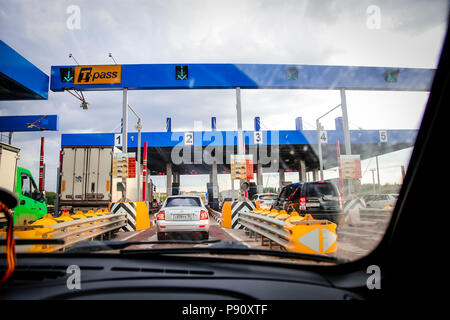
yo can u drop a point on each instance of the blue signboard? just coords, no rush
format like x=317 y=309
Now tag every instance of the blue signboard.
x=249 y=76
x=28 y=81
x=28 y=123
x=229 y=138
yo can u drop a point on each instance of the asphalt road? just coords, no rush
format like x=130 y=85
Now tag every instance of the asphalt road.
x=354 y=241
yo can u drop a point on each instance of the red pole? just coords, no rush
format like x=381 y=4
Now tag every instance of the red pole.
x=144 y=173
x=41 y=167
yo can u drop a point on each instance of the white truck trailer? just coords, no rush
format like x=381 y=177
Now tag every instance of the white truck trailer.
x=86 y=180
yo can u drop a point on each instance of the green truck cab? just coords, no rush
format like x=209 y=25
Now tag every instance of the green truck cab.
x=19 y=180
x=32 y=204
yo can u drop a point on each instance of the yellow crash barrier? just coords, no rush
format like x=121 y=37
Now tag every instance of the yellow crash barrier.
x=294 y=216
x=90 y=213
x=282 y=216
x=79 y=215
x=226 y=215
x=47 y=220
x=142 y=216
x=66 y=228
x=257 y=210
x=65 y=216
x=273 y=213
x=312 y=236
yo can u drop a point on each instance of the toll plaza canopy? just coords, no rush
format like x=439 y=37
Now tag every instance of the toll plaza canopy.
x=290 y=147
x=286 y=146
x=19 y=78
x=244 y=76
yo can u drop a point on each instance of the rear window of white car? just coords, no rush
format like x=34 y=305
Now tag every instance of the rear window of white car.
x=183 y=202
x=268 y=197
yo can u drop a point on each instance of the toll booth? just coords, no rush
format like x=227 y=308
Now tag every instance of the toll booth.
x=175 y=188
x=212 y=202
x=252 y=189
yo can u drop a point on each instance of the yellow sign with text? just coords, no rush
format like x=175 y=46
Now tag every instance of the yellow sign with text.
x=108 y=74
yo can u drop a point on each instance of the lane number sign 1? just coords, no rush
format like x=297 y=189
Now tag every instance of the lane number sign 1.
x=258 y=137
x=323 y=137
x=383 y=136
x=117 y=139
x=188 y=138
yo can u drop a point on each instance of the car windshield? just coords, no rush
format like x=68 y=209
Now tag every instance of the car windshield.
x=183 y=202
x=118 y=118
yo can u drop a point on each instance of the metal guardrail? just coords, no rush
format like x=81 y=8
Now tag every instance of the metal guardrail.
x=216 y=215
x=373 y=214
x=292 y=235
x=71 y=232
x=84 y=229
x=269 y=228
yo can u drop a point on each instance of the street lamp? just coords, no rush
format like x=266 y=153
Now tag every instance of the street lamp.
x=319 y=129
x=138 y=128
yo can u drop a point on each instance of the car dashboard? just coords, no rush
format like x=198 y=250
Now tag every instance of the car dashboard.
x=171 y=277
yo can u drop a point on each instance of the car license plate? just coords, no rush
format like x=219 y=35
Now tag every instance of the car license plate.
x=313 y=204
x=181 y=217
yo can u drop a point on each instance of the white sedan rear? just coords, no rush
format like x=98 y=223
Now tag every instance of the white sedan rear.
x=182 y=214
x=265 y=200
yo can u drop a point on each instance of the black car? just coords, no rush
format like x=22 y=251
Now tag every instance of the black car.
x=320 y=199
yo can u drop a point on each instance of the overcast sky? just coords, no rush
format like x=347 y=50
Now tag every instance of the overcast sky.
x=407 y=34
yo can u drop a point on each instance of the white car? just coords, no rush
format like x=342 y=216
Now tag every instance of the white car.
x=182 y=214
x=266 y=200
x=381 y=200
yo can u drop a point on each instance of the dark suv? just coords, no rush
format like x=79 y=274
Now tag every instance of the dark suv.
x=321 y=199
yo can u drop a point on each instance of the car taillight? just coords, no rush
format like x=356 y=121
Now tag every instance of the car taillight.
x=203 y=215
x=302 y=201
x=161 y=215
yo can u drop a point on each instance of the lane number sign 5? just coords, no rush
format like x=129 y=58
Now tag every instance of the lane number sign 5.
x=383 y=136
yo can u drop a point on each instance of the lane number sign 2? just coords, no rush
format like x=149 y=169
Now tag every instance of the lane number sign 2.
x=188 y=138
x=383 y=136
x=258 y=137
x=117 y=139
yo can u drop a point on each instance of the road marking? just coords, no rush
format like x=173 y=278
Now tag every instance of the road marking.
x=133 y=235
x=234 y=236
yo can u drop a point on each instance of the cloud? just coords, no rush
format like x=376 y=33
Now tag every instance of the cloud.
x=312 y=32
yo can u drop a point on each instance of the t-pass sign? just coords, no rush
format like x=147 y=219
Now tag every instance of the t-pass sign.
x=98 y=74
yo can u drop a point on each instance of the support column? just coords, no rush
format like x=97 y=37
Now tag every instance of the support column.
x=214 y=181
x=302 y=171
x=124 y=137
x=348 y=148
x=347 y=143
x=169 y=179
x=125 y=121
x=259 y=178
x=239 y=121
x=281 y=178
x=315 y=174
x=215 y=186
